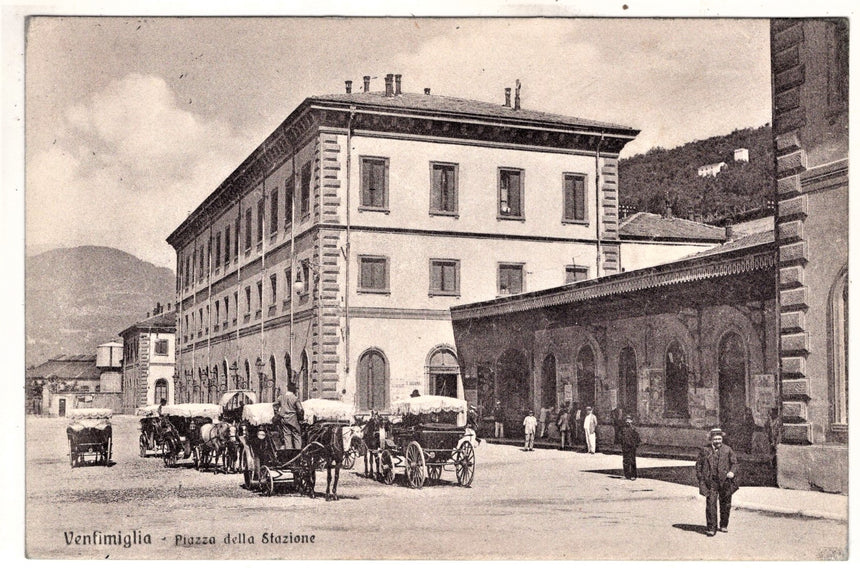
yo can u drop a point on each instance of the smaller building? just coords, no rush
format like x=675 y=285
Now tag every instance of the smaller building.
x=76 y=381
x=648 y=239
x=149 y=360
x=742 y=155
x=711 y=169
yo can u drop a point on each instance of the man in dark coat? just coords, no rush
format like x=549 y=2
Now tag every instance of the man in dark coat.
x=289 y=414
x=716 y=470
x=629 y=439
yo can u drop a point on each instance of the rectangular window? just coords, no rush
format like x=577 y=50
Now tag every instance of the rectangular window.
x=575 y=273
x=259 y=296
x=227 y=246
x=187 y=270
x=444 y=277
x=288 y=285
x=374 y=183
x=226 y=310
x=193 y=263
x=217 y=311
x=273 y=212
x=261 y=210
x=247 y=300
x=161 y=347
x=218 y=249
x=510 y=279
x=248 y=220
x=443 y=197
x=305 y=197
x=236 y=306
x=206 y=321
x=202 y=273
x=200 y=321
x=238 y=233
x=289 y=190
x=208 y=255
x=273 y=280
x=373 y=274
x=305 y=275
x=574 y=197
x=510 y=193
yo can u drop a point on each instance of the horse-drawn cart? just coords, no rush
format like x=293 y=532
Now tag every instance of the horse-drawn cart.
x=430 y=438
x=181 y=430
x=90 y=436
x=150 y=429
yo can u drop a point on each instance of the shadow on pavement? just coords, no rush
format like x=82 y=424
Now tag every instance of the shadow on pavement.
x=691 y=528
x=749 y=474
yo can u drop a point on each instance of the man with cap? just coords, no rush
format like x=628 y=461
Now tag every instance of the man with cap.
x=629 y=440
x=289 y=414
x=589 y=426
x=716 y=470
x=529 y=427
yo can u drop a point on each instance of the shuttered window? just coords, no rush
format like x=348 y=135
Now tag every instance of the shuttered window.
x=374 y=183
x=305 y=196
x=443 y=196
x=444 y=277
x=373 y=274
x=510 y=279
x=574 y=197
x=273 y=212
x=511 y=193
x=575 y=273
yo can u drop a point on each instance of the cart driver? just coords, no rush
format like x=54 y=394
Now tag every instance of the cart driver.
x=288 y=409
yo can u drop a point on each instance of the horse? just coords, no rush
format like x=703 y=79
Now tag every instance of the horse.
x=373 y=436
x=325 y=442
x=215 y=437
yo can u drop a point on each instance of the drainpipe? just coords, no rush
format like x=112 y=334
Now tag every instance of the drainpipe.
x=597 y=201
x=347 y=252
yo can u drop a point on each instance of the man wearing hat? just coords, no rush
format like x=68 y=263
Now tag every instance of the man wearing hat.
x=288 y=415
x=628 y=437
x=589 y=426
x=716 y=470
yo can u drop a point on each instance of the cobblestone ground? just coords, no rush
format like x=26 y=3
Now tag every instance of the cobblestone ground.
x=541 y=504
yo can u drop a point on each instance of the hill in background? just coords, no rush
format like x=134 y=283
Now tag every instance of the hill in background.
x=660 y=177
x=77 y=298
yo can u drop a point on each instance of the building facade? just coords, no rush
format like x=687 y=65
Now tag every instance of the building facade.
x=149 y=361
x=809 y=62
x=330 y=257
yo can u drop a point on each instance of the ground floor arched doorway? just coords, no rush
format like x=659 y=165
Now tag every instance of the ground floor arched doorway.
x=628 y=382
x=736 y=418
x=513 y=382
x=549 y=391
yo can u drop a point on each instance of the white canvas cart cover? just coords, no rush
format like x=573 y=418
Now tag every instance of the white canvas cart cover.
x=84 y=423
x=192 y=410
x=257 y=414
x=429 y=404
x=151 y=410
x=327 y=409
x=228 y=396
x=89 y=414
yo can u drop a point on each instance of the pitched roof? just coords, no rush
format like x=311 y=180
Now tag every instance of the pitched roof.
x=651 y=226
x=463 y=107
x=162 y=322
x=66 y=367
x=746 y=241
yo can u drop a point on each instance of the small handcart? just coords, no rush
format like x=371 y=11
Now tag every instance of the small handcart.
x=90 y=436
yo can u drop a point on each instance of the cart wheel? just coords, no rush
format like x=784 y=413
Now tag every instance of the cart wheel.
x=434 y=472
x=72 y=458
x=168 y=455
x=465 y=464
x=386 y=463
x=195 y=452
x=416 y=471
x=143 y=446
x=110 y=450
x=348 y=460
x=267 y=484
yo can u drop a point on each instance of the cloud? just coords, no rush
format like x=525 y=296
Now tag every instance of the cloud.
x=125 y=167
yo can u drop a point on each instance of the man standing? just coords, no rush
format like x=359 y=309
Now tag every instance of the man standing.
x=629 y=439
x=544 y=413
x=716 y=469
x=563 y=424
x=529 y=425
x=289 y=412
x=589 y=426
x=499 y=418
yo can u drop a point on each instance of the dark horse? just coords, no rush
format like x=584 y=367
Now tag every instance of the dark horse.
x=372 y=436
x=324 y=443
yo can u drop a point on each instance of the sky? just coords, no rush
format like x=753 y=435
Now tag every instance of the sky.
x=132 y=122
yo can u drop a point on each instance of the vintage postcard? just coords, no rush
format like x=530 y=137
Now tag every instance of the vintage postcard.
x=496 y=285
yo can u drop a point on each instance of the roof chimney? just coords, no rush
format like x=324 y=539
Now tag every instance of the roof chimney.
x=397 y=84
x=348 y=87
x=517 y=97
x=730 y=231
x=507 y=96
x=366 y=83
x=426 y=90
x=389 y=85
x=668 y=211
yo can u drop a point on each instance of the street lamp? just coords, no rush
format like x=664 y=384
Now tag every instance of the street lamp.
x=175 y=378
x=303 y=274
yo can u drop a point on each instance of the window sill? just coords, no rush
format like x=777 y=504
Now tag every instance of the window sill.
x=384 y=292
x=225 y=325
x=246 y=318
x=510 y=218
x=367 y=209
x=453 y=214
x=272 y=310
x=454 y=294
x=258 y=314
x=584 y=222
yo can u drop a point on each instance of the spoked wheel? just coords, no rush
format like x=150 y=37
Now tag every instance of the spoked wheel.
x=168 y=455
x=465 y=464
x=306 y=477
x=196 y=456
x=416 y=471
x=267 y=484
x=109 y=451
x=434 y=472
x=348 y=460
x=143 y=446
x=386 y=463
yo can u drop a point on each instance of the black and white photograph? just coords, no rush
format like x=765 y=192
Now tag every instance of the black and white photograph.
x=506 y=283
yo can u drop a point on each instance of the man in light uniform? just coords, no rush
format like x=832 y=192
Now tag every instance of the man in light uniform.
x=589 y=425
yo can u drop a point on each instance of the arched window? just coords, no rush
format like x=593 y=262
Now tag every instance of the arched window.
x=304 y=377
x=161 y=392
x=549 y=392
x=676 y=382
x=838 y=350
x=372 y=381
x=225 y=378
x=443 y=371
x=585 y=373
